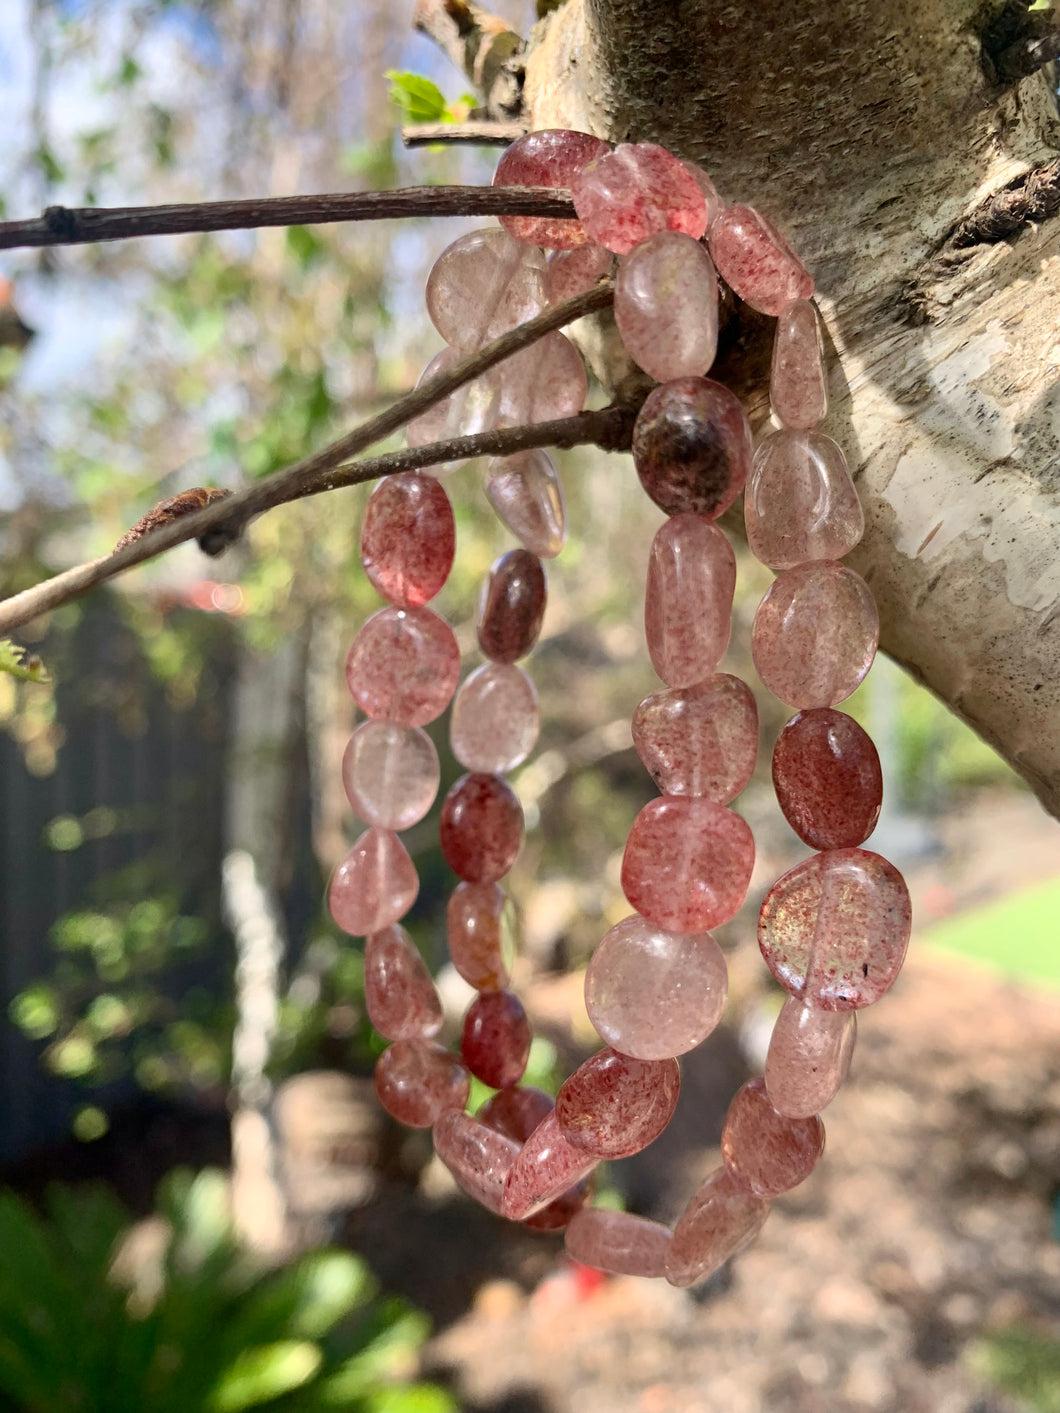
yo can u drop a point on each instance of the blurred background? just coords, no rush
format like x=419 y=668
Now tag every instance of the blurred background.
x=202 y=1204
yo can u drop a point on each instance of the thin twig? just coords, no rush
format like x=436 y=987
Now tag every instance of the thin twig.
x=483 y=134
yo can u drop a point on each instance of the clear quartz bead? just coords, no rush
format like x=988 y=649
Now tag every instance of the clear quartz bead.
x=475 y=407
x=545 y=381
x=798 y=388
x=391 y=773
x=688 y=602
x=482 y=285
x=526 y=492
x=809 y=1056
x=374 y=886
x=800 y=502
x=494 y=722
x=666 y=306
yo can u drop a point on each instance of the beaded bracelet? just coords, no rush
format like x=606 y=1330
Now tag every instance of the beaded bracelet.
x=834 y=929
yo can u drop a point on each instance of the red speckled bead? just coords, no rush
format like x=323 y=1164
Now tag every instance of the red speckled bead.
x=417 y=1081
x=756 y=262
x=687 y=863
x=613 y=1105
x=764 y=1151
x=375 y=884
x=481 y=828
x=688 y=601
x=720 y=1220
x=548 y=157
x=627 y=195
x=408 y=538
x=403 y=666
x=517 y=1111
x=692 y=447
x=480 y=929
x=618 y=1242
x=512 y=606
x=666 y=306
x=798 y=389
x=571 y=272
x=399 y=994
x=390 y=773
x=496 y=1039
x=834 y=929
x=827 y=776
x=699 y=740
x=482 y=285
x=478 y=1157
x=547 y=1166
x=800 y=502
x=809 y=1055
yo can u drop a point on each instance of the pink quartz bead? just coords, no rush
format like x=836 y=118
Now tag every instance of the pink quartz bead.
x=403 y=666
x=815 y=634
x=828 y=780
x=627 y=195
x=651 y=993
x=545 y=381
x=481 y=828
x=720 y=1220
x=666 y=306
x=764 y=1151
x=478 y=1157
x=474 y=407
x=511 y=606
x=614 y=1105
x=809 y=1056
x=572 y=272
x=482 y=285
x=417 y=1082
x=494 y=722
x=390 y=773
x=692 y=447
x=546 y=1167
x=375 y=884
x=408 y=538
x=687 y=863
x=481 y=943
x=526 y=493
x=798 y=388
x=399 y=994
x=699 y=740
x=834 y=929
x=618 y=1242
x=800 y=502
x=516 y=1111
x=715 y=205
x=756 y=262
x=547 y=157
x=496 y=1039
x=688 y=602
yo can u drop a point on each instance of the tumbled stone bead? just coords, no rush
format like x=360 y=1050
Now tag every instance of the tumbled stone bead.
x=474 y=407
x=766 y=1152
x=699 y=740
x=721 y=1219
x=618 y=1242
x=571 y=272
x=417 y=1082
x=547 y=157
x=375 y=884
x=516 y=1111
x=815 y=634
x=692 y=447
x=403 y=666
x=399 y=995
x=809 y=1056
x=496 y=1039
x=614 y=1105
x=512 y=606
x=798 y=388
x=828 y=780
x=481 y=828
x=666 y=306
x=687 y=863
x=526 y=492
x=390 y=773
x=800 y=502
x=494 y=721
x=480 y=934
x=547 y=1166
x=834 y=929
x=756 y=262
x=408 y=538
x=478 y=1157
x=715 y=205
x=627 y=195
x=688 y=601
x=482 y=285
x=562 y=1209
x=651 y=993
x=545 y=381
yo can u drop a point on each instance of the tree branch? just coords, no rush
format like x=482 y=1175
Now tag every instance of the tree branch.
x=475 y=134
x=482 y=45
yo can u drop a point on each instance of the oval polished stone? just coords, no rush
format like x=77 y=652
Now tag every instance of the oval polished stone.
x=800 y=502
x=756 y=262
x=766 y=1152
x=480 y=930
x=516 y=1111
x=478 y=1157
x=614 y=1105
x=715 y=205
x=512 y=606
x=543 y=382
x=828 y=780
x=692 y=447
x=651 y=993
x=417 y=1082
x=526 y=492
x=482 y=285
x=572 y=272
x=399 y=995
x=627 y=195
x=666 y=306
x=815 y=634
x=547 y=1166
x=798 y=388
x=403 y=666
x=688 y=601
x=496 y=1039
x=375 y=884
x=687 y=863
x=618 y=1242
x=547 y=157
x=474 y=407
x=390 y=773
x=494 y=722
x=834 y=929
x=721 y=1219
x=809 y=1056
x=481 y=828
x=699 y=740
x=408 y=538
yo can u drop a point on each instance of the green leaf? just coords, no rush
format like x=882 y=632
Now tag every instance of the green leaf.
x=304 y=245
x=420 y=100
x=36 y=1010
x=256 y=1376
x=414 y=1398
x=13 y=660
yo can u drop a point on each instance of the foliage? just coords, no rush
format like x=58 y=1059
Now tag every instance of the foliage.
x=13 y=660
x=1022 y=1363
x=422 y=101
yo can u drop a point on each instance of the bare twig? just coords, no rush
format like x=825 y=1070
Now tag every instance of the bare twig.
x=481 y=44
x=484 y=134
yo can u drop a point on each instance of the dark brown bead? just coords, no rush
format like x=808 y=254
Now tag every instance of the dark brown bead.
x=481 y=829
x=512 y=606
x=692 y=447
x=496 y=1039
x=827 y=776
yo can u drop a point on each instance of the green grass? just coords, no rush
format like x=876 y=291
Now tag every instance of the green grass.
x=1018 y=936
